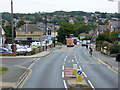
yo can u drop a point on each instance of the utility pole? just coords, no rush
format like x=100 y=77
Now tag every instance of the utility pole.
x=46 y=31
x=54 y=33
x=12 y=24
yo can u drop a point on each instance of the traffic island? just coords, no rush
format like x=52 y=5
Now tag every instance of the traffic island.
x=73 y=83
x=76 y=78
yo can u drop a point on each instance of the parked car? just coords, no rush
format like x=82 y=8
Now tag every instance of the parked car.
x=4 y=50
x=21 y=50
x=28 y=49
x=84 y=43
x=88 y=41
x=80 y=41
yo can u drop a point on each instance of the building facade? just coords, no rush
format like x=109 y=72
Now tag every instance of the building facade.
x=28 y=31
x=2 y=36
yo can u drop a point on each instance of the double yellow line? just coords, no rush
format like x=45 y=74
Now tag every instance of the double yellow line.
x=26 y=78
x=105 y=64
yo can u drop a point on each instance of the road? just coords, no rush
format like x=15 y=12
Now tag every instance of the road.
x=47 y=71
x=14 y=71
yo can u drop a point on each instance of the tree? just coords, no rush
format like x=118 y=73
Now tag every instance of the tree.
x=114 y=37
x=102 y=37
x=20 y=23
x=65 y=30
x=103 y=15
x=81 y=27
x=100 y=22
x=8 y=30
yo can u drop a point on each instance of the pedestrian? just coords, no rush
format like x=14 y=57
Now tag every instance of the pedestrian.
x=86 y=46
x=90 y=50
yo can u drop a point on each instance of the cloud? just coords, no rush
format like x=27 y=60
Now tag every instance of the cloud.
x=31 y=6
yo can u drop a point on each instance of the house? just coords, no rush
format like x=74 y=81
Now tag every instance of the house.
x=54 y=33
x=114 y=26
x=103 y=28
x=2 y=36
x=85 y=19
x=50 y=27
x=29 y=31
x=71 y=20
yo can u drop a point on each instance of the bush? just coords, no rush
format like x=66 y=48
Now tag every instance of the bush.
x=102 y=37
x=30 y=53
x=59 y=43
x=114 y=49
x=118 y=43
x=3 y=69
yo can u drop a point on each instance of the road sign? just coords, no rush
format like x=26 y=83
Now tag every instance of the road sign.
x=75 y=69
x=79 y=72
x=79 y=76
x=49 y=38
x=79 y=79
x=75 y=72
x=118 y=35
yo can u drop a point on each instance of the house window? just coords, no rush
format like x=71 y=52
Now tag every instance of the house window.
x=31 y=32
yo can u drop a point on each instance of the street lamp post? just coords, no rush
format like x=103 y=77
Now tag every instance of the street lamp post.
x=12 y=24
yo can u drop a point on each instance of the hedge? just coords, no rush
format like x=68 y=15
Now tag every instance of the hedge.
x=114 y=49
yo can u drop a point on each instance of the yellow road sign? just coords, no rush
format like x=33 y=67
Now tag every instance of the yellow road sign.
x=79 y=78
x=75 y=72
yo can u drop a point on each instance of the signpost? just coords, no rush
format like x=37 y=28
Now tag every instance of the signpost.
x=75 y=69
x=79 y=76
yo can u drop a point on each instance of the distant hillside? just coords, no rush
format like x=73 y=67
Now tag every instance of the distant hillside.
x=56 y=17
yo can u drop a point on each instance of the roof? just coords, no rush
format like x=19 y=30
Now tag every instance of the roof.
x=104 y=27
x=33 y=38
x=115 y=24
x=29 y=27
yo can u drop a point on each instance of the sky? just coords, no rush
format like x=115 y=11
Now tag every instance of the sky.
x=31 y=6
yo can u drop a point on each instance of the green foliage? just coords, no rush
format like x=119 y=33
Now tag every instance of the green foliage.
x=113 y=37
x=20 y=23
x=102 y=37
x=106 y=37
x=118 y=43
x=30 y=53
x=3 y=68
x=79 y=36
x=114 y=49
x=81 y=27
x=59 y=43
x=65 y=30
x=8 y=31
x=9 y=38
x=100 y=22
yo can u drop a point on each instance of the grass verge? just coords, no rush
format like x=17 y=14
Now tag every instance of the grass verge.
x=3 y=69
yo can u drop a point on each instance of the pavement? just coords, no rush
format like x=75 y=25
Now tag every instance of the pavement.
x=111 y=61
x=39 y=55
